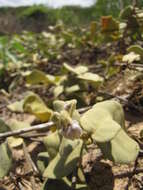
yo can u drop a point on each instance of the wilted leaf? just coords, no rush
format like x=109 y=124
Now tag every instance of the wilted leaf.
x=5 y=159
x=33 y=104
x=131 y=57
x=109 y=24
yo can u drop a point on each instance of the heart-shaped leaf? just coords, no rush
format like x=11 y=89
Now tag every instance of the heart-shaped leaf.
x=105 y=123
x=121 y=149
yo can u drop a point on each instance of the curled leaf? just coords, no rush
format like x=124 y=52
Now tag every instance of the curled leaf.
x=33 y=104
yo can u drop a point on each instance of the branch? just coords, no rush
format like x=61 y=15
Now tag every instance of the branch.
x=48 y=125
x=39 y=127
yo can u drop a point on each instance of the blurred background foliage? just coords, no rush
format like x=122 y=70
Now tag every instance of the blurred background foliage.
x=40 y=17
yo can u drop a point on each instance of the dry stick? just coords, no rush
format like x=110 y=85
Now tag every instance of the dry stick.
x=31 y=165
x=39 y=127
x=48 y=125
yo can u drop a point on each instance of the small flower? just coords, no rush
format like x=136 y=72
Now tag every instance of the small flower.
x=73 y=131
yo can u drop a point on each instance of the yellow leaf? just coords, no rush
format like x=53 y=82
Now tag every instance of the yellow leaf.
x=33 y=104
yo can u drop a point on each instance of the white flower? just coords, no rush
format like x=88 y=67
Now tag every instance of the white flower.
x=73 y=131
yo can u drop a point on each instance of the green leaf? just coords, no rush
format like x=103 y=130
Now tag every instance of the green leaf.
x=3 y=126
x=42 y=161
x=121 y=149
x=101 y=130
x=36 y=77
x=52 y=144
x=127 y=12
x=16 y=125
x=39 y=77
x=65 y=161
x=69 y=106
x=107 y=131
x=105 y=123
x=33 y=104
x=136 y=49
x=77 y=70
x=91 y=77
x=19 y=47
x=58 y=90
x=5 y=159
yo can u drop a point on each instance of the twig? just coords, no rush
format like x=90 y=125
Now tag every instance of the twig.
x=132 y=174
x=31 y=165
x=48 y=125
x=29 y=159
x=39 y=127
